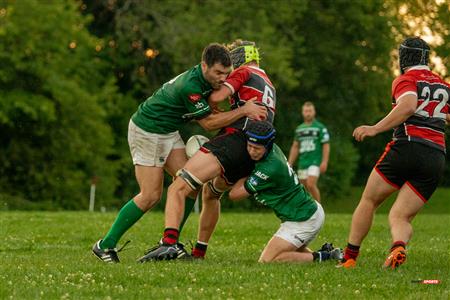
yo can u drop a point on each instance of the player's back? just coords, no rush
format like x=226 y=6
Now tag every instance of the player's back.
x=285 y=194
x=427 y=125
x=247 y=82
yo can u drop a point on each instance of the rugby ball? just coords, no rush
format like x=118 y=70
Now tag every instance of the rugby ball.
x=194 y=143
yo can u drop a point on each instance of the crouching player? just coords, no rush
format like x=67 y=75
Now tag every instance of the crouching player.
x=274 y=184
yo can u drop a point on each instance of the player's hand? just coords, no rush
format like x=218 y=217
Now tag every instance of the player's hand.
x=255 y=111
x=361 y=132
x=323 y=167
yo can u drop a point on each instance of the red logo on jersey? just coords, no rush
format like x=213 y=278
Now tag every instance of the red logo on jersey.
x=194 y=98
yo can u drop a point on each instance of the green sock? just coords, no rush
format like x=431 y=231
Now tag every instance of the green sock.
x=128 y=215
x=188 y=206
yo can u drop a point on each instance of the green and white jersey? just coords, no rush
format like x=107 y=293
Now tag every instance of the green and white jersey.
x=178 y=101
x=310 y=138
x=274 y=184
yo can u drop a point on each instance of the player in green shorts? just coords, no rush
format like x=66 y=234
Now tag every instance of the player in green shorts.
x=310 y=149
x=156 y=145
x=274 y=184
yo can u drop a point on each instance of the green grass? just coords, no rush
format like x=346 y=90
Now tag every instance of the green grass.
x=47 y=255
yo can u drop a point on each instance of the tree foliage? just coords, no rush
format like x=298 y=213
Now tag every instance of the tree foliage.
x=54 y=97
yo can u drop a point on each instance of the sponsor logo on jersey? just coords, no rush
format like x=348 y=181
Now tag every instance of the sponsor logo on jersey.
x=199 y=105
x=261 y=175
x=194 y=98
x=253 y=181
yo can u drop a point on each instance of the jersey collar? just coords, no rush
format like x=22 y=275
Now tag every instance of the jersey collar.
x=420 y=67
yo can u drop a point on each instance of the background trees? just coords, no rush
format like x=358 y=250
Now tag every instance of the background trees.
x=72 y=74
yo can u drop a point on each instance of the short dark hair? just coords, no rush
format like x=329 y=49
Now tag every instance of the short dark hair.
x=216 y=53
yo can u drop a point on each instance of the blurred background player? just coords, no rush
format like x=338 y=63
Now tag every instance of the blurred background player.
x=223 y=160
x=413 y=162
x=156 y=145
x=310 y=149
x=274 y=184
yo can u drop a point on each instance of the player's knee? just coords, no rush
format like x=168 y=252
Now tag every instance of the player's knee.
x=147 y=199
x=212 y=192
x=264 y=260
x=310 y=185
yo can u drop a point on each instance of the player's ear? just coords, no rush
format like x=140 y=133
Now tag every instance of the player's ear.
x=204 y=67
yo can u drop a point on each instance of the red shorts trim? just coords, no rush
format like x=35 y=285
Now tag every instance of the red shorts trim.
x=204 y=150
x=386 y=150
x=385 y=178
x=416 y=192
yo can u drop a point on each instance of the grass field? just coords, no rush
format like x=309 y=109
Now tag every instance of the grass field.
x=47 y=255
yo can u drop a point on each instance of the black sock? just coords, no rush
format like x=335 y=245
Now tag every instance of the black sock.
x=321 y=256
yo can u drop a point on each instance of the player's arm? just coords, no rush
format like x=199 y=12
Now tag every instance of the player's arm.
x=238 y=192
x=405 y=108
x=447 y=118
x=294 y=152
x=218 y=120
x=325 y=157
x=220 y=95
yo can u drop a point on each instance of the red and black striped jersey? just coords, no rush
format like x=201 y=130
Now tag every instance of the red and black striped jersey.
x=247 y=82
x=427 y=125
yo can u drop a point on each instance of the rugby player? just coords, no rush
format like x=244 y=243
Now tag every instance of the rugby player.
x=413 y=162
x=221 y=161
x=311 y=150
x=156 y=145
x=274 y=184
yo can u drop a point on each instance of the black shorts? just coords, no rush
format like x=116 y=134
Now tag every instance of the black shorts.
x=230 y=148
x=419 y=166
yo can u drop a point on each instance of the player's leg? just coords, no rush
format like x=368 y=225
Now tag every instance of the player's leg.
x=311 y=185
x=199 y=169
x=212 y=191
x=175 y=161
x=150 y=181
x=289 y=244
x=375 y=192
x=144 y=148
x=405 y=208
x=281 y=250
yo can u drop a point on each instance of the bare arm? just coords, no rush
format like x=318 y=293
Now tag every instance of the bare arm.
x=220 y=95
x=325 y=157
x=222 y=119
x=406 y=107
x=447 y=118
x=238 y=192
x=293 y=153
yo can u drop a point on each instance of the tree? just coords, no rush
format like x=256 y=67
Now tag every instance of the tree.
x=54 y=100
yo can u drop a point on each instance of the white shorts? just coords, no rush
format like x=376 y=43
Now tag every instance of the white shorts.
x=303 y=174
x=151 y=149
x=302 y=233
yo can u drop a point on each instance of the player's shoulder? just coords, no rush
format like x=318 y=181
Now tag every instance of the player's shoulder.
x=192 y=81
x=408 y=76
x=319 y=124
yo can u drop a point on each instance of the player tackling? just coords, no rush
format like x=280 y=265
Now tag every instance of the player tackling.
x=274 y=184
x=221 y=161
x=156 y=145
x=413 y=162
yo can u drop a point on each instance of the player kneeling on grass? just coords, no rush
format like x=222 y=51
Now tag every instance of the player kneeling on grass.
x=274 y=184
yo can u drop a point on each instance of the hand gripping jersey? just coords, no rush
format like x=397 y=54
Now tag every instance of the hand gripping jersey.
x=178 y=101
x=275 y=184
x=247 y=82
x=310 y=138
x=427 y=125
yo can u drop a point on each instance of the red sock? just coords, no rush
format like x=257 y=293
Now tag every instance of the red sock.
x=351 y=252
x=199 y=250
x=398 y=244
x=170 y=236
